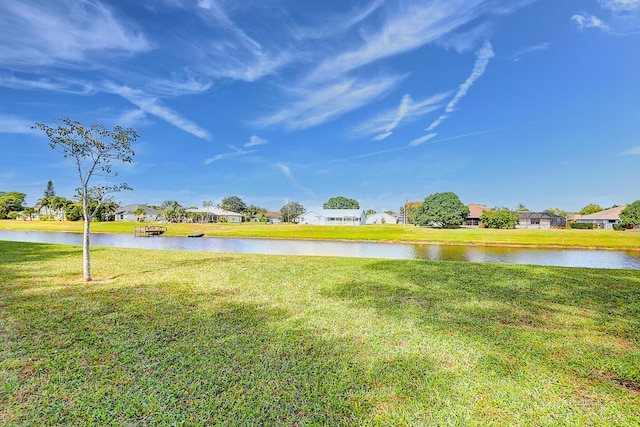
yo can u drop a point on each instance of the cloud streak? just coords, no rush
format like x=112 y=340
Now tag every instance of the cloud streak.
x=287 y=173
x=482 y=60
x=383 y=125
x=59 y=33
x=403 y=110
x=635 y=151
x=403 y=31
x=10 y=124
x=235 y=153
x=153 y=106
x=620 y=6
x=622 y=17
x=589 y=21
x=315 y=106
x=531 y=49
x=254 y=140
x=421 y=140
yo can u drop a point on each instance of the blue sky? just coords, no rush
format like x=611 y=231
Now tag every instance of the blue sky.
x=500 y=101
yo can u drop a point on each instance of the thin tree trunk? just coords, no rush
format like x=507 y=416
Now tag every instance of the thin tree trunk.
x=86 y=258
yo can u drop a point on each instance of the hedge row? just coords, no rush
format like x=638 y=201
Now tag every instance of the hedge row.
x=581 y=225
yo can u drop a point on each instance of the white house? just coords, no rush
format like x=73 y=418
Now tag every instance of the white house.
x=333 y=217
x=381 y=218
x=128 y=213
x=603 y=219
x=217 y=214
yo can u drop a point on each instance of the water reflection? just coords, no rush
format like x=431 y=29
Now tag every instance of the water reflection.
x=555 y=257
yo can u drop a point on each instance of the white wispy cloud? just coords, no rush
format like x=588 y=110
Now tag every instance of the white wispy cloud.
x=403 y=110
x=238 y=56
x=178 y=87
x=59 y=33
x=589 y=21
x=255 y=140
x=465 y=41
x=235 y=153
x=632 y=151
x=434 y=124
x=287 y=173
x=420 y=140
x=10 y=124
x=483 y=56
x=62 y=85
x=333 y=26
x=531 y=49
x=482 y=60
x=620 y=6
x=404 y=30
x=383 y=125
x=330 y=86
x=153 y=105
x=131 y=117
x=312 y=107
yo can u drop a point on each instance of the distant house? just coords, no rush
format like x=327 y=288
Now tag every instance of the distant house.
x=216 y=214
x=271 y=217
x=544 y=220
x=333 y=217
x=128 y=213
x=602 y=219
x=475 y=211
x=382 y=218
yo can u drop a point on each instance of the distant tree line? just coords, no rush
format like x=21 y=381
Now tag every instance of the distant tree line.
x=51 y=206
x=446 y=210
x=438 y=209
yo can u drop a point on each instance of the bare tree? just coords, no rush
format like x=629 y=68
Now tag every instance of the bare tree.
x=93 y=150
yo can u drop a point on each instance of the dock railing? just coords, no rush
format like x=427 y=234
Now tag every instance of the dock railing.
x=149 y=230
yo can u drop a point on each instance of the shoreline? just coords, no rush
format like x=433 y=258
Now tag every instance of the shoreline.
x=395 y=241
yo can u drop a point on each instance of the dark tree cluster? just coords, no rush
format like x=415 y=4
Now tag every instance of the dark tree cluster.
x=441 y=209
x=341 y=202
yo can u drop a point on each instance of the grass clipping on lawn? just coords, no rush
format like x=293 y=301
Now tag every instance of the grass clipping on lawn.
x=177 y=338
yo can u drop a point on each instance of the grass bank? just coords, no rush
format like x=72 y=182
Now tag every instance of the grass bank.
x=170 y=338
x=602 y=239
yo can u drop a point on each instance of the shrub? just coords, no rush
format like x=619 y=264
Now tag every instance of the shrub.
x=619 y=227
x=582 y=225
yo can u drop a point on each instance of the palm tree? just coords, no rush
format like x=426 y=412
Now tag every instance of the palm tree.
x=141 y=213
x=58 y=204
x=45 y=202
x=29 y=212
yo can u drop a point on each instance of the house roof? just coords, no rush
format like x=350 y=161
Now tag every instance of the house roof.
x=214 y=210
x=613 y=213
x=537 y=215
x=381 y=215
x=475 y=210
x=269 y=215
x=131 y=209
x=335 y=213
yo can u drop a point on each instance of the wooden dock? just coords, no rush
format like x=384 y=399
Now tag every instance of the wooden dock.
x=149 y=230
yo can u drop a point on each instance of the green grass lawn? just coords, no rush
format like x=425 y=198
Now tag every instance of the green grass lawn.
x=176 y=338
x=608 y=239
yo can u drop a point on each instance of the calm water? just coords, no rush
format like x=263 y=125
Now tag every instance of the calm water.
x=564 y=257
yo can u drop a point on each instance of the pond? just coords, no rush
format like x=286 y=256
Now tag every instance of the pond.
x=532 y=256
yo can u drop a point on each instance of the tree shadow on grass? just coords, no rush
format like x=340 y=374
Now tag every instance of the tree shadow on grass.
x=160 y=360
x=20 y=252
x=168 y=266
x=568 y=321
x=473 y=293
